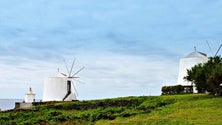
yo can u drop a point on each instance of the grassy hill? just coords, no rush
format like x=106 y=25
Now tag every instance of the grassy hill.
x=174 y=109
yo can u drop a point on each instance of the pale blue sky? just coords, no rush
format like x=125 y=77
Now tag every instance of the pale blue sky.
x=129 y=47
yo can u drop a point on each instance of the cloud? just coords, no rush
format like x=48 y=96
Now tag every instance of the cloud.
x=107 y=75
x=128 y=47
x=124 y=75
x=21 y=73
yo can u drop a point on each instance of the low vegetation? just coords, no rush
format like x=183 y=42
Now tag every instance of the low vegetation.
x=177 y=89
x=169 y=109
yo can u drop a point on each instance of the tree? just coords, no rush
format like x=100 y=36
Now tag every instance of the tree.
x=215 y=81
x=197 y=77
x=207 y=76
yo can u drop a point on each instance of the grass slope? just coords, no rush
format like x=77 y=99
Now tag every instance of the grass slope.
x=174 y=109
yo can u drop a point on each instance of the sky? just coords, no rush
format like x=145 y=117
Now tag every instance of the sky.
x=128 y=47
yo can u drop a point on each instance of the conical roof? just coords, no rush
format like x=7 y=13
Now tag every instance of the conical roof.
x=196 y=54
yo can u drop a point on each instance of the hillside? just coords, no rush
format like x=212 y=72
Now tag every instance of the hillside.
x=174 y=109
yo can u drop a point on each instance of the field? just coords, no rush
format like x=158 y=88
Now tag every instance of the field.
x=189 y=109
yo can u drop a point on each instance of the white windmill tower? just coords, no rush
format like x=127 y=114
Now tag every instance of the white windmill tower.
x=188 y=62
x=59 y=86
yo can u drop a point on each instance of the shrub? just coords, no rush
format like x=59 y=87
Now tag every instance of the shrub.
x=178 y=89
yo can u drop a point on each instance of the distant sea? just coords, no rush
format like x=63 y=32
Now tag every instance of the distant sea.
x=6 y=104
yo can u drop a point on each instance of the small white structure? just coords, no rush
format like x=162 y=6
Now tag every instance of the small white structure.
x=30 y=96
x=188 y=62
x=58 y=87
x=29 y=100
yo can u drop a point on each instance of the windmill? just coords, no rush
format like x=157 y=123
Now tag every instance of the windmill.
x=58 y=87
x=188 y=62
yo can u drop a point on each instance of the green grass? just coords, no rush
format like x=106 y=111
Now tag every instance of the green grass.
x=189 y=109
